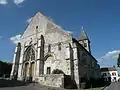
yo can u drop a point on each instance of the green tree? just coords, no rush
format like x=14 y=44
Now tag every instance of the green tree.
x=5 y=68
x=118 y=61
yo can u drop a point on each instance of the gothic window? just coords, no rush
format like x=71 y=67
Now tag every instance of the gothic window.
x=30 y=54
x=59 y=46
x=93 y=63
x=48 y=70
x=49 y=48
x=27 y=57
x=84 y=60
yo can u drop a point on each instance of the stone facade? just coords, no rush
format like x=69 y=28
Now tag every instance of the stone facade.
x=45 y=47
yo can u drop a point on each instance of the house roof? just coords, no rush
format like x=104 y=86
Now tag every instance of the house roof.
x=108 y=69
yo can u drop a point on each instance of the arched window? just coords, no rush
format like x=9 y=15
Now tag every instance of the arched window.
x=29 y=54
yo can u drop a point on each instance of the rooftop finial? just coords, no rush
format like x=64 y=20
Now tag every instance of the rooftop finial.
x=82 y=27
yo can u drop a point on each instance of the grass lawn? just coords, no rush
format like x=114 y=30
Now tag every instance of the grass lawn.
x=97 y=88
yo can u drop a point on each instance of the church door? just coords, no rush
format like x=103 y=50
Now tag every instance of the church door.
x=32 y=69
x=26 y=69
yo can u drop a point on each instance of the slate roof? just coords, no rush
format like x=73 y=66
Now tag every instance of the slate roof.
x=83 y=36
x=108 y=69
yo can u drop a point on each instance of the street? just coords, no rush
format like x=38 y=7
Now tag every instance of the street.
x=32 y=86
x=114 y=86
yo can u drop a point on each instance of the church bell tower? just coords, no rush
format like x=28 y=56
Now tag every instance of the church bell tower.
x=84 y=40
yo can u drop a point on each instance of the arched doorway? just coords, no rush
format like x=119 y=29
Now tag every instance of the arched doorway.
x=49 y=63
x=29 y=63
x=48 y=66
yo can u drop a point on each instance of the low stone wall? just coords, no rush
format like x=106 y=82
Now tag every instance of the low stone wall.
x=54 y=80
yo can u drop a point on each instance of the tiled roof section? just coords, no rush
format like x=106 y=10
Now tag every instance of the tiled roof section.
x=108 y=69
x=83 y=36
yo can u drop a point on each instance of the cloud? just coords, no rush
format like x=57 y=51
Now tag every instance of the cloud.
x=17 y=2
x=3 y=2
x=109 y=59
x=15 y=39
x=112 y=54
x=70 y=32
x=28 y=21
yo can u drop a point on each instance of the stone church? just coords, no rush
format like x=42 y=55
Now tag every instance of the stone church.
x=50 y=55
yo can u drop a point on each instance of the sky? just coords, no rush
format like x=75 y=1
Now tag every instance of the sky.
x=100 y=18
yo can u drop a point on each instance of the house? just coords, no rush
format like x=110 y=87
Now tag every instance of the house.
x=109 y=74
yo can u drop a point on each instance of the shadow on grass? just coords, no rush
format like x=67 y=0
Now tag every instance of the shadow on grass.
x=12 y=83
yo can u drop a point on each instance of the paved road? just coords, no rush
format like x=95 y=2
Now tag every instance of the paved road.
x=30 y=87
x=114 y=86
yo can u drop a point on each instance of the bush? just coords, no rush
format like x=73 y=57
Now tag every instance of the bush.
x=57 y=71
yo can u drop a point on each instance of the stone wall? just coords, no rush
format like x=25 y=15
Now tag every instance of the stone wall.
x=54 y=80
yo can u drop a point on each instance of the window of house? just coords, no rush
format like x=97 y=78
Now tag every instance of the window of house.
x=59 y=46
x=104 y=74
x=114 y=74
x=114 y=78
x=48 y=70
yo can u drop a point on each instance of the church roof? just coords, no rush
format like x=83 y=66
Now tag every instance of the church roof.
x=83 y=36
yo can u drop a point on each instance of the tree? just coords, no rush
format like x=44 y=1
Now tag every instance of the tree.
x=5 y=68
x=118 y=60
x=57 y=71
